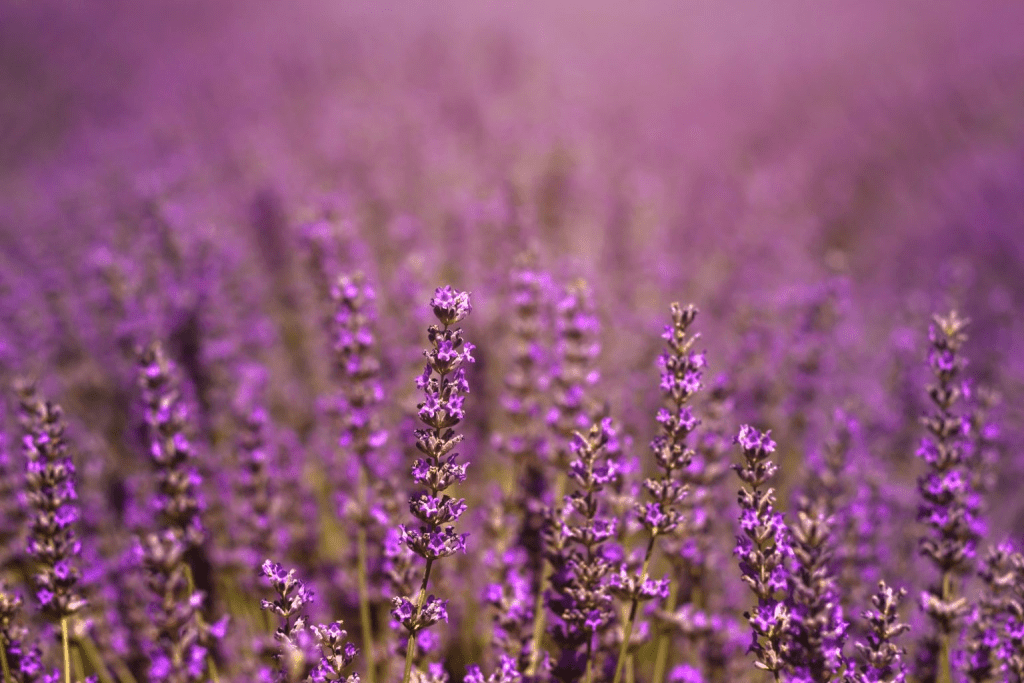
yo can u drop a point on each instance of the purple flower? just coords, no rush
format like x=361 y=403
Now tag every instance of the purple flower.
x=443 y=384
x=762 y=552
x=948 y=506
x=178 y=501
x=336 y=654
x=50 y=493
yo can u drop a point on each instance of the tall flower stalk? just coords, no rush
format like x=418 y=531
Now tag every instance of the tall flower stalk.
x=444 y=386
x=681 y=373
x=358 y=371
x=577 y=533
x=948 y=506
x=184 y=638
x=763 y=550
x=571 y=411
x=50 y=492
x=881 y=660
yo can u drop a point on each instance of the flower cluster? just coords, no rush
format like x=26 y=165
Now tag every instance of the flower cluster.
x=179 y=640
x=948 y=507
x=881 y=660
x=681 y=371
x=818 y=630
x=444 y=386
x=763 y=550
x=336 y=655
x=357 y=368
x=335 y=652
x=22 y=663
x=50 y=491
x=178 y=502
x=580 y=597
x=574 y=373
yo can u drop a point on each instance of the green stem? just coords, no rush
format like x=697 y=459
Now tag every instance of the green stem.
x=3 y=661
x=627 y=632
x=67 y=649
x=92 y=653
x=87 y=646
x=78 y=664
x=665 y=638
x=539 y=613
x=590 y=661
x=410 y=650
x=211 y=664
x=945 y=674
x=364 y=590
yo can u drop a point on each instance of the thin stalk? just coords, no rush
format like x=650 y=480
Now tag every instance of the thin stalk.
x=77 y=663
x=410 y=650
x=67 y=649
x=665 y=638
x=7 y=667
x=630 y=671
x=86 y=646
x=364 y=590
x=945 y=674
x=627 y=632
x=539 y=613
x=590 y=661
x=211 y=664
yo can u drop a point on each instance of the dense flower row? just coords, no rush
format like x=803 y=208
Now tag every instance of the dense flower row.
x=596 y=563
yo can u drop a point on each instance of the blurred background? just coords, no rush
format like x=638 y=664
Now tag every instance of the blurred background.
x=754 y=159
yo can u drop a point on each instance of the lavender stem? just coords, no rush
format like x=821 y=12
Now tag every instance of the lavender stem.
x=664 y=640
x=628 y=629
x=539 y=613
x=410 y=650
x=67 y=649
x=364 y=590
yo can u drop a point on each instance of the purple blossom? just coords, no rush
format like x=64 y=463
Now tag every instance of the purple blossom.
x=762 y=552
x=50 y=491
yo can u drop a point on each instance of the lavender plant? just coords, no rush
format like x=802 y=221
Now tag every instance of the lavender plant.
x=680 y=379
x=580 y=595
x=881 y=660
x=444 y=387
x=357 y=370
x=763 y=551
x=948 y=506
x=50 y=491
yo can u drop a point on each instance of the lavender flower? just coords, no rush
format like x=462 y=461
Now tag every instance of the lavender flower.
x=357 y=371
x=881 y=660
x=444 y=386
x=336 y=654
x=763 y=550
x=984 y=632
x=1011 y=649
x=948 y=505
x=50 y=491
x=572 y=409
x=574 y=372
x=681 y=374
x=178 y=481
x=818 y=630
x=22 y=662
x=292 y=596
x=580 y=597
x=180 y=641
x=507 y=672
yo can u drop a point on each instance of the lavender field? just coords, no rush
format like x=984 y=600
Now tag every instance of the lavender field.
x=511 y=342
